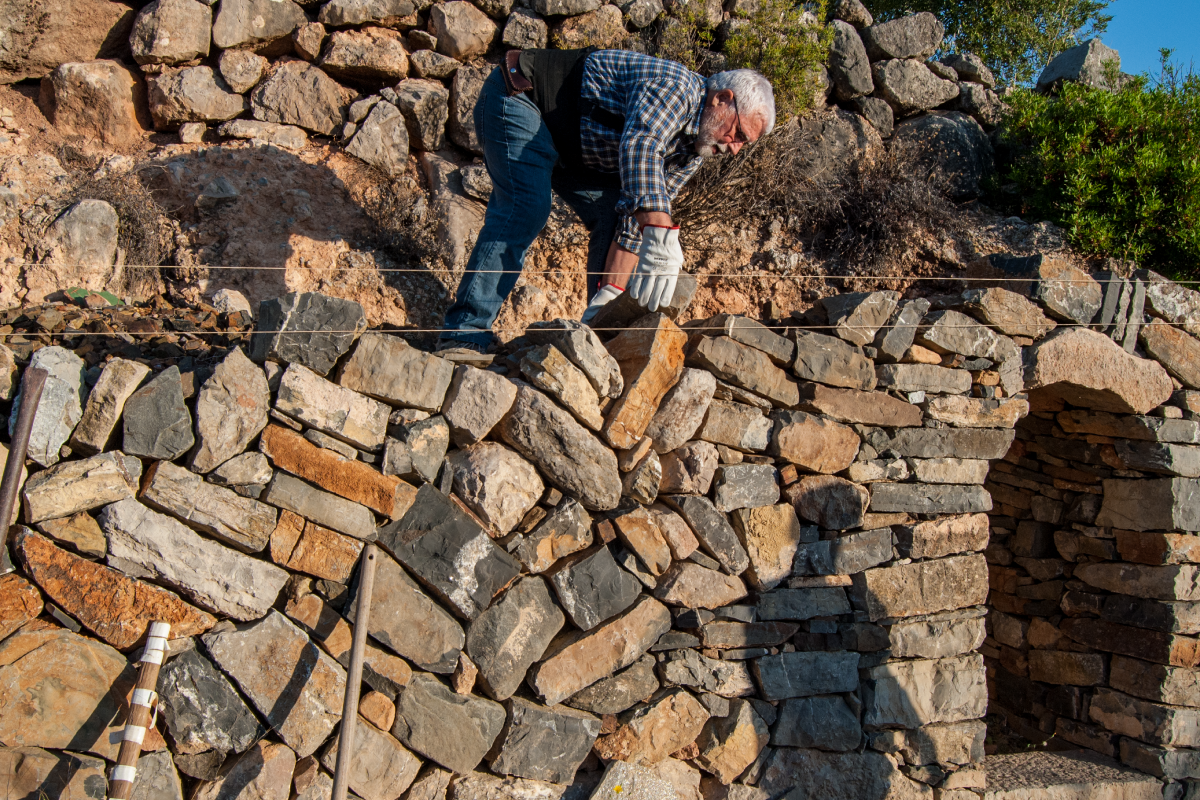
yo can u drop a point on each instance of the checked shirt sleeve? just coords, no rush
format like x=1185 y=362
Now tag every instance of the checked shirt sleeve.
x=659 y=110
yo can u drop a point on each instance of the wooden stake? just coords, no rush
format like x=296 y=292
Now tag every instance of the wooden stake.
x=366 y=585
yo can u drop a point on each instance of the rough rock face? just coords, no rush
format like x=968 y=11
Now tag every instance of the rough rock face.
x=61 y=405
x=255 y=22
x=1087 y=369
x=42 y=35
x=950 y=145
x=100 y=99
x=230 y=411
x=171 y=32
x=299 y=94
x=192 y=94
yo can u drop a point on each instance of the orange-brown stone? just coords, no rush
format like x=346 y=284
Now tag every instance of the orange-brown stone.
x=118 y=609
x=353 y=480
x=650 y=354
x=20 y=601
x=335 y=636
x=305 y=546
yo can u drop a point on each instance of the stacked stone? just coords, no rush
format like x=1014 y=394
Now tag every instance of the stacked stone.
x=1092 y=628
x=716 y=560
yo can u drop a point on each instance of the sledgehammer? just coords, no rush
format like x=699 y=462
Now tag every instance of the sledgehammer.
x=32 y=383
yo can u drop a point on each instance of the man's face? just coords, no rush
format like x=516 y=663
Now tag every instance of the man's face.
x=722 y=128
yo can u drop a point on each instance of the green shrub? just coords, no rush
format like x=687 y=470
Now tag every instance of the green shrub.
x=787 y=42
x=1119 y=171
x=1015 y=38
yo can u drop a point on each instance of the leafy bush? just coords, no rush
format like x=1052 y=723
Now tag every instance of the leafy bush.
x=1119 y=171
x=1015 y=38
x=786 y=42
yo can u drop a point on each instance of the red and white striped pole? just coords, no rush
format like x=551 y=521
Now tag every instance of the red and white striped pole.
x=142 y=712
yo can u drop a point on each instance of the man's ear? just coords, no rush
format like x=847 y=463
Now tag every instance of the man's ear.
x=721 y=97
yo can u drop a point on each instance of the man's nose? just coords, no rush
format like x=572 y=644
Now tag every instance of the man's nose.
x=734 y=147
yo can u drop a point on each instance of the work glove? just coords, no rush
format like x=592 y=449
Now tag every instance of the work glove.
x=606 y=295
x=659 y=260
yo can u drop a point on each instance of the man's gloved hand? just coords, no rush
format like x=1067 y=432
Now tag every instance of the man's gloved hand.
x=659 y=260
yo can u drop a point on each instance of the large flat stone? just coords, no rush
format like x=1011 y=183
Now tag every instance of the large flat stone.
x=923 y=378
x=119 y=379
x=736 y=425
x=612 y=646
x=407 y=621
x=839 y=776
x=980 y=443
x=591 y=587
x=118 y=609
x=380 y=766
x=824 y=722
x=340 y=412
x=857 y=316
x=75 y=486
x=974 y=412
x=145 y=544
x=389 y=369
x=32 y=771
x=448 y=552
x=222 y=513
x=814 y=443
x=314 y=330
x=925 y=498
x=650 y=355
x=505 y=640
x=323 y=508
x=295 y=685
x=955 y=332
x=569 y=456
x=804 y=674
x=682 y=410
x=924 y=587
x=1008 y=312
x=943 y=537
x=802 y=604
x=495 y=483
x=829 y=360
x=201 y=708
x=1155 y=723
x=475 y=402
x=545 y=744
x=231 y=410
x=900 y=694
x=867 y=408
x=1077 y=773
x=669 y=722
x=1172 y=582
x=452 y=729
x=744 y=366
x=1088 y=369
x=348 y=478
x=1154 y=504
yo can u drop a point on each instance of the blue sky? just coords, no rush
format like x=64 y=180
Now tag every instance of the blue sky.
x=1140 y=27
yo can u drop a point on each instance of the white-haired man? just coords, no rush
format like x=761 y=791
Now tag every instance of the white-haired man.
x=616 y=134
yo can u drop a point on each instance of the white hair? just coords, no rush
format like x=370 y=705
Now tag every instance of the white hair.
x=753 y=93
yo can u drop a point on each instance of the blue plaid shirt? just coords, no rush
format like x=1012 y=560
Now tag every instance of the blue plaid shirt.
x=661 y=102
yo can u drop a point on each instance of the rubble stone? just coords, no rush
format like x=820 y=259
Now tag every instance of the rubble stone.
x=251 y=22
x=741 y=486
x=158 y=424
x=923 y=378
x=495 y=483
x=812 y=442
x=688 y=469
x=551 y=371
x=619 y=692
x=925 y=587
x=682 y=410
x=915 y=36
x=1176 y=350
x=323 y=508
x=380 y=766
x=578 y=343
x=75 y=486
x=592 y=587
x=336 y=322
x=389 y=369
x=230 y=411
x=79 y=531
x=382 y=138
x=461 y=29
x=909 y=86
x=425 y=105
x=974 y=412
x=545 y=744
x=453 y=730
x=261 y=772
x=829 y=360
x=668 y=723
x=894 y=697
x=713 y=531
x=692 y=586
x=829 y=501
x=418 y=449
x=651 y=361
x=506 y=639
x=844 y=555
x=61 y=405
x=238 y=521
x=1008 y=312
x=567 y=530
x=849 y=67
x=675 y=531
x=201 y=708
x=824 y=722
x=332 y=409
x=1088 y=369
x=857 y=316
x=804 y=674
x=637 y=531
x=475 y=403
x=241 y=69
x=192 y=94
x=744 y=366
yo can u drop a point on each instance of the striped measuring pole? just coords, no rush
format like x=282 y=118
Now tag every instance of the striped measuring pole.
x=142 y=712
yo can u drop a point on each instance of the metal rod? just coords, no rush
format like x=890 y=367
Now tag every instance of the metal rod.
x=141 y=712
x=32 y=383
x=366 y=585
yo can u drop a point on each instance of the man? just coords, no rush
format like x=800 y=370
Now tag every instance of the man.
x=617 y=134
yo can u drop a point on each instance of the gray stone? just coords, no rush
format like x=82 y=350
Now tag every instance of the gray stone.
x=954 y=332
x=720 y=677
x=476 y=181
x=323 y=508
x=380 y=765
x=411 y=624
x=330 y=317
x=549 y=370
x=970 y=67
x=638 y=782
x=452 y=729
x=545 y=744
x=495 y=483
x=983 y=443
x=619 y=692
x=981 y=104
x=950 y=633
x=265 y=659
x=298 y=93
x=389 y=369
x=465 y=87
x=894 y=339
x=60 y=407
x=752 y=333
x=745 y=367
x=448 y=552
x=568 y=8
x=923 y=378
x=915 y=36
x=682 y=410
x=156 y=778
x=1170 y=301
x=924 y=587
x=802 y=604
x=1085 y=63
x=735 y=425
x=949 y=146
x=592 y=588
x=1171 y=459
x=145 y=544
x=713 y=530
x=157 y=422
x=387 y=13
x=1162 y=504
x=418 y=449
x=571 y=458
x=849 y=68
x=241 y=69
x=745 y=486
x=857 y=316
x=805 y=674
x=231 y=410
x=506 y=639
x=813 y=773
x=829 y=360
x=8 y=374
x=170 y=32
x=428 y=64
x=425 y=105
x=909 y=86
x=252 y=22
x=288 y=137
x=845 y=555
x=826 y=723
x=192 y=94
x=525 y=30
x=201 y=708
x=75 y=486
x=642 y=482
x=895 y=696
x=382 y=140
x=922 y=498
x=475 y=402
x=223 y=514
x=85 y=235
x=880 y=115
x=851 y=11
x=831 y=502
x=1067 y=292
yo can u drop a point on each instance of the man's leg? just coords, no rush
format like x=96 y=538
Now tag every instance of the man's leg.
x=594 y=198
x=520 y=156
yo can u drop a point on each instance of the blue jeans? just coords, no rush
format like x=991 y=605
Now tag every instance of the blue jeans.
x=521 y=158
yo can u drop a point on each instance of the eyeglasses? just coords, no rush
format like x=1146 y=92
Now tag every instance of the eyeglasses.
x=739 y=134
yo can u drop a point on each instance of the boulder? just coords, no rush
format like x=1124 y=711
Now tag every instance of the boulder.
x=909 y=86
x=330 y=325
x=97 y=100
x=525 y=30
x=171 y=32
x=604 y=28
x=913 y=36
x=387 y=13
x=372 y=55
x=60 y=407
x=849 y=68
x=877 y=112
x=231 y=410
x=382 y=140
x=950 y=147
x=452 y=729
x=241 y=69
x=1085 y=63
x=851 y=11
x=255 y=22
x=298 y=93
x=462 y=30
x=42 y=35
x=425 y=105
x=495 y=483
x=970 y=67
x=191 y=94
x=1087 y=369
